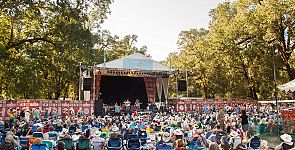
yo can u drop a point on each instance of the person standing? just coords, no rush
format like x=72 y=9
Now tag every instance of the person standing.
x=244 y=122
x=17 y=114
x=137 y=104
x=27 y=116
x=127 y=105
x=37 y=114
x=46 y=113
x=117 y=109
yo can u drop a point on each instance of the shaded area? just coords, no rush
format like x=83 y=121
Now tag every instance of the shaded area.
x=119 y=88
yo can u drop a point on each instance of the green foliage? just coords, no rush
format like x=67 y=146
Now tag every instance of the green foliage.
x=234 y=57
x=42 y=42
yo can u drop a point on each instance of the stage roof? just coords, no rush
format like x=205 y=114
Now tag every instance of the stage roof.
x=135 y=61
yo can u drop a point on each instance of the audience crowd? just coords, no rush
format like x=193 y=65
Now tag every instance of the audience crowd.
x=230 y=127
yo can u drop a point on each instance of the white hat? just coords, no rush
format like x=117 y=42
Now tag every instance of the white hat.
x=263 y=121
x=263 y=143
x=166 y=137
x=115 y=129
x=234 y=134
x=178 y=132
x=97 y=133
x=286 y=138
x=78 y=131
x=200 y=131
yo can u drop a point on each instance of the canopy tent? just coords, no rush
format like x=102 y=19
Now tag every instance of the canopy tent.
x=135 y=61
x=290 y=86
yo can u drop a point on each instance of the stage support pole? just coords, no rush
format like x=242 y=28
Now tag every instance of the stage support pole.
x=186 y=84
x=94 y=70
x=176 y=84
x=80 y=80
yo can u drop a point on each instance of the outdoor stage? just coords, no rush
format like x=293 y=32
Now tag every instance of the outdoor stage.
x=133 y=77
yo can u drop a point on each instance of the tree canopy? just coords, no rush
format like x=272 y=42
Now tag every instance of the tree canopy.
x=234 y=56
x=42 y=42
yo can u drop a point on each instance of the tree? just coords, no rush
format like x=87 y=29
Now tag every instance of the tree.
x=42 y=43
x=234 y=57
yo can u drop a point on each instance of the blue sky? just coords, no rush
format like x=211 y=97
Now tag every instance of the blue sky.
x=157 y=23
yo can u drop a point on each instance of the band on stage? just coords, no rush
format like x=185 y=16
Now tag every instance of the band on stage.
x=125 y=107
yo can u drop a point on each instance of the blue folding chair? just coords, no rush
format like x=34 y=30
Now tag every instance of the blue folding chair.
x=163 y=147
x=24 y=143
x=83 y=144
x=39 y=147
x=38 y=135
x=58 y=128
x=53 y=136
x=130 y=136
x=133 y=144
x=49 y=144
x=68 y=144
x=143 y=137
x=114 y=144
x=97 y=124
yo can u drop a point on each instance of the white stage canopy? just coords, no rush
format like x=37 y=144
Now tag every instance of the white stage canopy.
x=135 y=61
x=288 y=87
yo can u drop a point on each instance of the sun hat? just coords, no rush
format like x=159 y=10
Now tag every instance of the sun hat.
x=263 y=121
x=200 y=131
x=286 y=138
x=178 y=132
x=263 y=143
x=166 y=137
x=97 y=133
x=78 y=131
x=233 y=134
x=115 y=129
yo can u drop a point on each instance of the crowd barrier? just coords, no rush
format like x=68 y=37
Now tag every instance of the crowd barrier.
x=61 y=106
x=190 y=105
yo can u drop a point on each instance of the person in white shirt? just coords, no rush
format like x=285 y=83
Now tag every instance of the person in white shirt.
x=98 y=142
x=27 y=116
x=77 y=135
x=235 y=139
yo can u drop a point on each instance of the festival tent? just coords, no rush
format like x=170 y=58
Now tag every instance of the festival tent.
x=290 y=86
x=135 y=61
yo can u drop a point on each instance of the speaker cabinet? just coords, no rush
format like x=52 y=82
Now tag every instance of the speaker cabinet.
x=87 y=84
x=181 y=85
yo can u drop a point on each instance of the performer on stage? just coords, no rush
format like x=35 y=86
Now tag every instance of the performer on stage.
x=117 y=109
x=137 y=104
x=127 y=105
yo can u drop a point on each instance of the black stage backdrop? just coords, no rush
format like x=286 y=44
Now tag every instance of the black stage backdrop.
x=118 y=88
